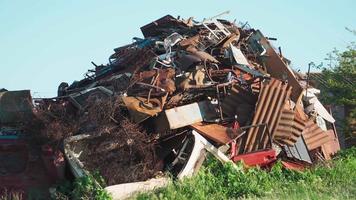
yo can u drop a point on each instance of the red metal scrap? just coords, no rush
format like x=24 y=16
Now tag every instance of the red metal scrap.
x=260 y=158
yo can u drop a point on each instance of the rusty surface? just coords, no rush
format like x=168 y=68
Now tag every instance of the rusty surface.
x=331 y=147
x=314 y=136
x=299 y=111
x=268 y=110
x=152 y=83
x=140 y=108
x=215 y=132
x=289 y=128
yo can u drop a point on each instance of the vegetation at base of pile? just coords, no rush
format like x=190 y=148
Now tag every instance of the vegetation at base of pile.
x=333 y=180
x=84 y=188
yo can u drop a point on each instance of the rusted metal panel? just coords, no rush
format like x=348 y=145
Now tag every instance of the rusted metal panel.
x=268 y=110
x=215 y=132
x=156 y=82
x=248 y=141
x=285 y=92
x=300 y=111
x=289 y=128
x=266 y=113
x=314 y=136
x=331 y=147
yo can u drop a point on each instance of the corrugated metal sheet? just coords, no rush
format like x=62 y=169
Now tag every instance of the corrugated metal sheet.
x=314 y=136
x=268 y=110
x=289 y=128
x=332 y=146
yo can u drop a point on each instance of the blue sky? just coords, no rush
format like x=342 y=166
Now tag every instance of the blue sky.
x=45 y=42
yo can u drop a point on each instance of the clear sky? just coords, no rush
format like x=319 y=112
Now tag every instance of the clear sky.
x=45 y=42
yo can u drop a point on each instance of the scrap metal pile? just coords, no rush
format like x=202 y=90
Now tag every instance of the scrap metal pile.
x=210 y=80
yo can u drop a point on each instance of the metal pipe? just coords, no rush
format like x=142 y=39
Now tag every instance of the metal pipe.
x=306 y=90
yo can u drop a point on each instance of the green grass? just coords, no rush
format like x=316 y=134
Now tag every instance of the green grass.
x=84 y=188
x=334 y=180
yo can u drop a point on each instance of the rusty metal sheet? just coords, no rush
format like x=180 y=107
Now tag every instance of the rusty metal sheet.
x=215 y=132
x=300 y=112
x=331 y=147
x=275 y=65
x=289 y=128
x=268 y=110
x=314 y=136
